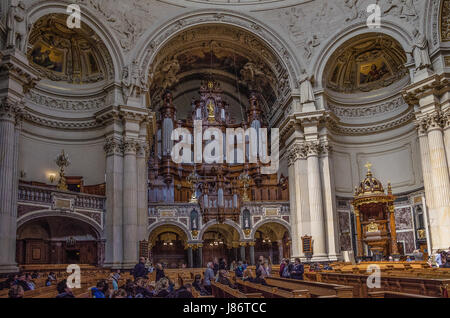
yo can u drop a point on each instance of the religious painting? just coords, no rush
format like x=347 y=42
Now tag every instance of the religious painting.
x=408 y=239
x=344 y=222
x=373 y=71
x=403 y=219
x=48 y=57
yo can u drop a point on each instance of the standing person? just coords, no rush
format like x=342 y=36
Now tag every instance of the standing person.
x=209 y=277
x=233 y=266
x=114 y=277
x=216 y=266
x=159 y=272
x=239 y=270
x=63 y=290
x=287 y=269
x=282 y=266
x=267 y=267
x=298 y=270
x=140 y=270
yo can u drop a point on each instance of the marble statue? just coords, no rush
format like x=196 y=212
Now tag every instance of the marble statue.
x=420 y=51
x=16 y=25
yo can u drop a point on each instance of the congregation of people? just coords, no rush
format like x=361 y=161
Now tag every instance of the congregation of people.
x=217 y=270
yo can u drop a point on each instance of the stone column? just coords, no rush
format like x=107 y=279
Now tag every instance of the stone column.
x=426 y=162
x=8 y=168
x=440 y=216
x=200 y=255
x=142 y=193
x=252 y=253
x=130 y=197
x=16 y=78
x=329 y=196
x=190 y=257
x=315 y=202
x=298 y=196
x=243 y=250
x=447 y=136
x=280 y=250
x=114 y=202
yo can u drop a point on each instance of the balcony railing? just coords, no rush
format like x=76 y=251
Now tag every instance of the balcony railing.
x=43 y=195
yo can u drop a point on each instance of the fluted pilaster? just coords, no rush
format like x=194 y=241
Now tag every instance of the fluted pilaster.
x=315 y=200
x=114 y=204
x=130 y=197
x=8 y=182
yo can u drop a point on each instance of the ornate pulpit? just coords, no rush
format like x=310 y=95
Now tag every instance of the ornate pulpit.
x=375 y=218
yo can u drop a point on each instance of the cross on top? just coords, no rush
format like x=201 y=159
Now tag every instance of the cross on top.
x=368 y=166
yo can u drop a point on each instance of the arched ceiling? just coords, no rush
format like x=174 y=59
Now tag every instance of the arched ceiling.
x=367 y=63
x=74 y=56
x=234 y=57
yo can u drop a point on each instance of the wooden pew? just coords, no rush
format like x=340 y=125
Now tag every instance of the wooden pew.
x=409 y=285
x=316 y=289
x=223 y=291
x=271 y=292
x=388 y=294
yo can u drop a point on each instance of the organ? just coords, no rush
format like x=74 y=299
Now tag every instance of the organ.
x=220 y=188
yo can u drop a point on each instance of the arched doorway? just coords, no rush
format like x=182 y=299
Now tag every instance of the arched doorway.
x=220 y=241
x=272 y=240
x=57 y=240
x=168 y=246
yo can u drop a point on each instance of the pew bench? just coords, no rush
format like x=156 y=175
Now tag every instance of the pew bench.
x=271 y=292
x=223 y=291
x=316 y=289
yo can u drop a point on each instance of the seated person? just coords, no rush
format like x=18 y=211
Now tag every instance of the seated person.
x=198 y=285
x=298 y=270
x=248 y=276
x=259 y=279
x=120 y=293
x=23 y=282
x=63 y=290
x=101 y=290
x=16 y=291
x=162 y=288
x=184 y=292
x=141 y=290
x=50 y=279
x=224 y=280
x=30 y=282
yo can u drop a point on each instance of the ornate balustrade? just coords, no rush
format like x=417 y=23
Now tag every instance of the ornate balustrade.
x=49 y=196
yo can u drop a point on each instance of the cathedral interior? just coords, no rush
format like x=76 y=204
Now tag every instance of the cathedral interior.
x=88 y=115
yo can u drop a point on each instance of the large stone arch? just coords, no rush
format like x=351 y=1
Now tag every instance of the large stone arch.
x=73 y=215
x=211 y=223
x=342 y=36
x=155 y=39
x=282 y=222
x=179 y=225
x=41 y=9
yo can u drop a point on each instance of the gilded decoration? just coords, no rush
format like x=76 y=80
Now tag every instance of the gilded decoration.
x=76 y=56
x=367 y=64
x=445 y=21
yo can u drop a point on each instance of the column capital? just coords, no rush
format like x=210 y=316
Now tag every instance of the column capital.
x=435 y=121
x=11 y=110
x=313 y=148
x=447 y=119
x=130 y=146
x=113 y=146
x=143 y=149
x=296 y=152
